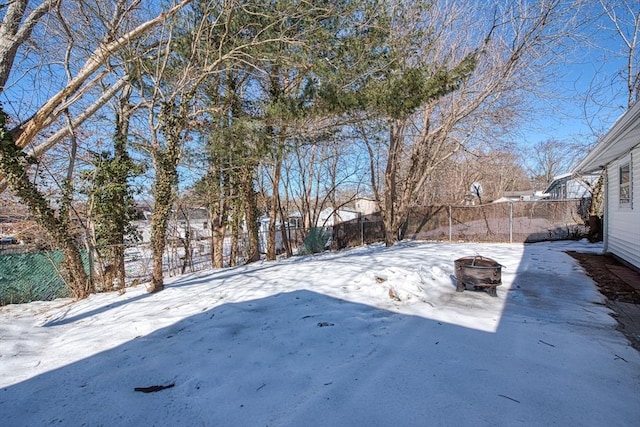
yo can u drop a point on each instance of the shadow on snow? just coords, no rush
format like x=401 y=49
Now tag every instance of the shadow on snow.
x=304 y=358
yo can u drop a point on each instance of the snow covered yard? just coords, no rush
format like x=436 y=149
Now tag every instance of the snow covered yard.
x=372 y=336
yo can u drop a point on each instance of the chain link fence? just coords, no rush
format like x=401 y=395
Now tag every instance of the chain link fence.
x=500 y=222
x=27 y=277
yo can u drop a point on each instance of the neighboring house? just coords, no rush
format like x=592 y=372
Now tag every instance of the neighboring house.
x=326 y=217
x=196 y=220
x=263 y=232
x=618 y=154
x=295 y=220
x=366 y=206
x=329 y=217
x=520 y=196
x=570 y=187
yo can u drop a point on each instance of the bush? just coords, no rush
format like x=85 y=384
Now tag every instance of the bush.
x=316 y=241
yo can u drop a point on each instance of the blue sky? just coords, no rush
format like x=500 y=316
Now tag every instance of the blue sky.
x=589 y=87
x=565 y=118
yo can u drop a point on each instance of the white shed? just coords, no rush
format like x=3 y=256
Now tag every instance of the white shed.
x=618 y=154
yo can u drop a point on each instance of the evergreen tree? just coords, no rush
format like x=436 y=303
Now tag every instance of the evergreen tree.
x=111 y=201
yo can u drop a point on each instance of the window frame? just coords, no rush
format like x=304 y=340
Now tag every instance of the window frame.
x=625 y=186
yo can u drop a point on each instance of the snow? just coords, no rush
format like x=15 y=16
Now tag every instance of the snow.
x=318 y=341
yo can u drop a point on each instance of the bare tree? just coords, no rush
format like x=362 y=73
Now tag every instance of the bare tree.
x=18 y=28
x=500 y=171
x=509 y=58
x=613 y=35
x=497 y=170
x=87 y=76
x=18 y=24
x=550 y=158
x=624 y=16
x=213 y=41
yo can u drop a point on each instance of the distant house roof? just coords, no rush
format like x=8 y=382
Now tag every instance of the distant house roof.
x=559 y=177
x=517 y=194
x=615 y=144
x=520 y=196
x=193 y=214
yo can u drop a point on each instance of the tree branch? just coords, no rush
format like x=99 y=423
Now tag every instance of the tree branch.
x=24 y=133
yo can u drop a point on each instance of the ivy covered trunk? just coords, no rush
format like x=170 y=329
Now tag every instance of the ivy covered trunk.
x=113 y=268
x=112 y=204
x=163 y=192
x=13 y=164
x=74 y=273
x=165 y=160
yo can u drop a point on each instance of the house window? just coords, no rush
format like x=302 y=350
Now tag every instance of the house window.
x=625 y=184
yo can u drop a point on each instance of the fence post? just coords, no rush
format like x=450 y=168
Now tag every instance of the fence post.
x=510 y=222
x=450 y=224
x=361 y=231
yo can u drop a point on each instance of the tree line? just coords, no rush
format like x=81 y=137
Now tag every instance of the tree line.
x=260 y=107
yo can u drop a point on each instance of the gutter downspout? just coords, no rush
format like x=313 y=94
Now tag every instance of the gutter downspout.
x=605 y=212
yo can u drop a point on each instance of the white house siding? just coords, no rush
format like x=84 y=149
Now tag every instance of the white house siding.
x=623 y=222
x=328 y=217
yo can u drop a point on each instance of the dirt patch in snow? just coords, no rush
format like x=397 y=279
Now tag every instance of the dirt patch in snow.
x=606 y=271
x=621 y=285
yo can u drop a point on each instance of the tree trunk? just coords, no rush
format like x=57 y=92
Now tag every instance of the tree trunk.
x=113 y=204
x=235 y=247
x=284 y=229
x=121 y=274
x=596 y=209
x=218 y=234
x=236 y=227
x=75 y=276
x=273 y=211
x=172 y=117
x=166 y=176
x=218 y=210
x=121 y=156
x=12 y=165
x=389 y=214
x=158 y=235
x=271 y=235
x=251 y=216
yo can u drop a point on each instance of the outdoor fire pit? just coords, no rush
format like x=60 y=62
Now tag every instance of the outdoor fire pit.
x=479 y=272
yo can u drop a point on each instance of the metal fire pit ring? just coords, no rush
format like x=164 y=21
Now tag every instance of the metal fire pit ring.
x=479 y=272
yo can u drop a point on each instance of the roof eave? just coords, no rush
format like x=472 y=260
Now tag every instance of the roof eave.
x=608 y=148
